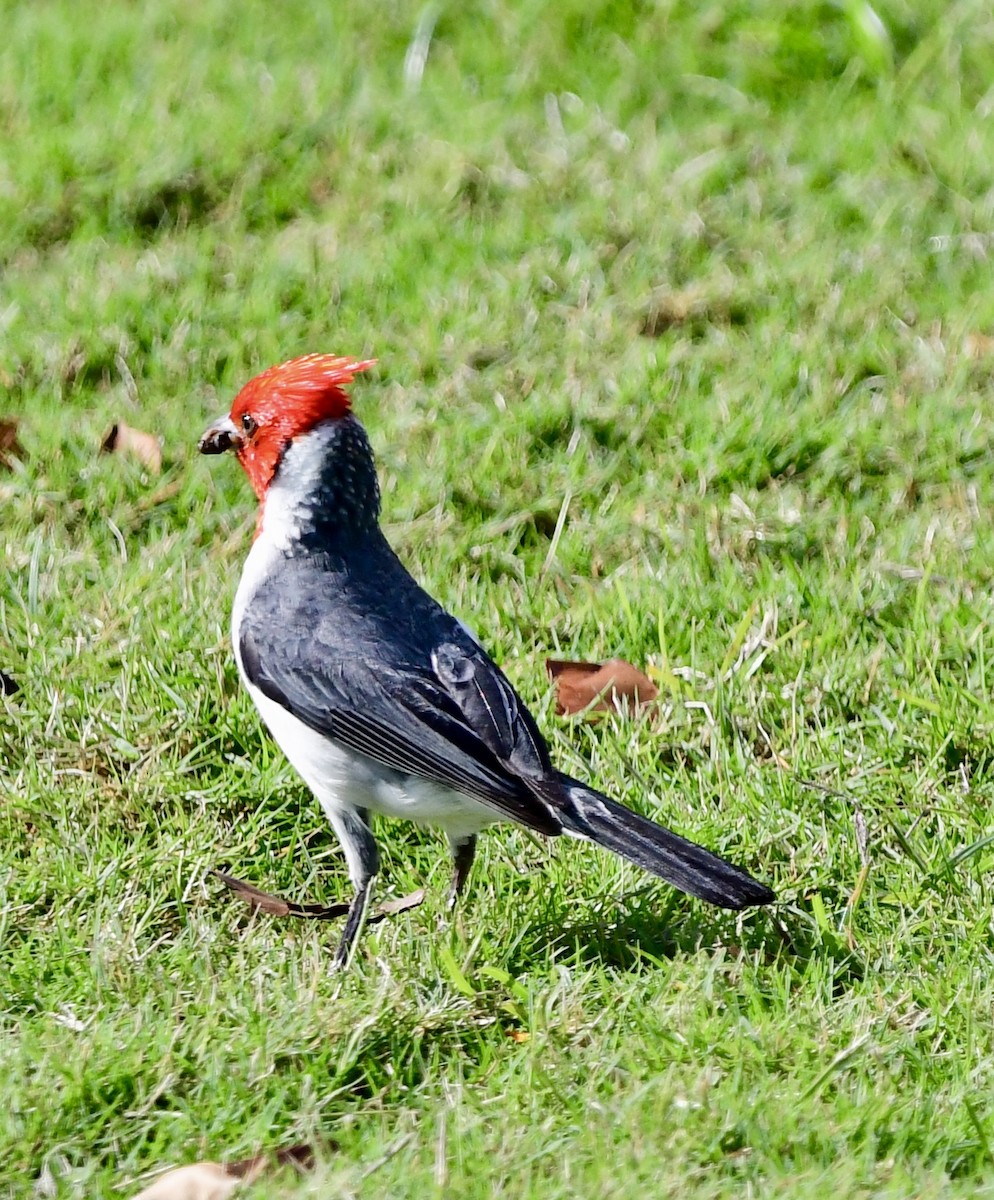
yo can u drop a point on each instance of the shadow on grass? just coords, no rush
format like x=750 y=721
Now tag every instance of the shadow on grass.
x=638 y=931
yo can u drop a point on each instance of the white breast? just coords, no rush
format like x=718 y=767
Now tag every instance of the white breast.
x=337 y=776
x=340 y=778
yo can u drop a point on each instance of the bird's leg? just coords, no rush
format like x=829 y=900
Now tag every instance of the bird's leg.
x=352 y=827
x=353 y=926
x=463 y=853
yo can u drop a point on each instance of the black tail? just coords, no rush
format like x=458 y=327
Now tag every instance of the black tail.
x=687 y=866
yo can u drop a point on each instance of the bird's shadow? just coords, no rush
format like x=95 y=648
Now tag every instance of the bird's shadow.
x=628 y=933
x=640 y=930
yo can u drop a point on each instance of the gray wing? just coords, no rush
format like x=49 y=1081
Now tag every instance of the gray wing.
x=454 y=719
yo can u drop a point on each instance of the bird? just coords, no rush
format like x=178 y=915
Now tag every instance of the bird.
x=382 y=701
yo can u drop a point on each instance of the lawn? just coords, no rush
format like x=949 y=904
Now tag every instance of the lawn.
x=684 y=321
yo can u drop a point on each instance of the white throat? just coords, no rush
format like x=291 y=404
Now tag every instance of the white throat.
x=292 y=496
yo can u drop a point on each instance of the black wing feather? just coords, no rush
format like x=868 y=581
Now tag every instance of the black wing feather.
x=400 y=715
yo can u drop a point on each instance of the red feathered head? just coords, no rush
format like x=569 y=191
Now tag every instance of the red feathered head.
x=279 y=405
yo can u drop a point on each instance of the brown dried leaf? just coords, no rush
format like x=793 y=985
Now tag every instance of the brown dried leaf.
x=278 y=907
x=300 y=1156
x=978 y=345
x=214 y=1181
x=10 y=447
x=256 y=898
x=668 y=310
x=200 y=1181
x=122 y=439
x=390 y=908
x=584 y=685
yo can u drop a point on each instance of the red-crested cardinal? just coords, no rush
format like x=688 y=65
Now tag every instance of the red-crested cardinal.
x=382 y=701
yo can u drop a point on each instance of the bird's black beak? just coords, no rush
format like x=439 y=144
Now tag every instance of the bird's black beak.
x=221 y=436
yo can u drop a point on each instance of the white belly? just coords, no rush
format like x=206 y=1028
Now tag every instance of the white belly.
x=340 y=778
x=337 y=776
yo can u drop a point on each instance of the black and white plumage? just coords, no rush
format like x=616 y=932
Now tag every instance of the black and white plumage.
x=382 y=700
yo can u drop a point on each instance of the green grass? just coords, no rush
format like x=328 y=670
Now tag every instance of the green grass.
x=780 y=501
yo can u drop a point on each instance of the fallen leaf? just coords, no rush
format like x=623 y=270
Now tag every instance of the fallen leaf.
x=390 y=908
x=300 y=1156
x=122 y=439
x=214 y=1181
x=10 y=447
x=266 y=902
x=978 y=345
x=8 y=684
x=668 y=310
x=584 y=685
x=201 y=1181
x=278 y=907
x=519 y=1035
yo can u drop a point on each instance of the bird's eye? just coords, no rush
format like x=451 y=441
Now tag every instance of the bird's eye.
x=249 y=424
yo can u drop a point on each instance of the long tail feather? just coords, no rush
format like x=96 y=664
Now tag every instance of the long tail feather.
x=685 y=865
